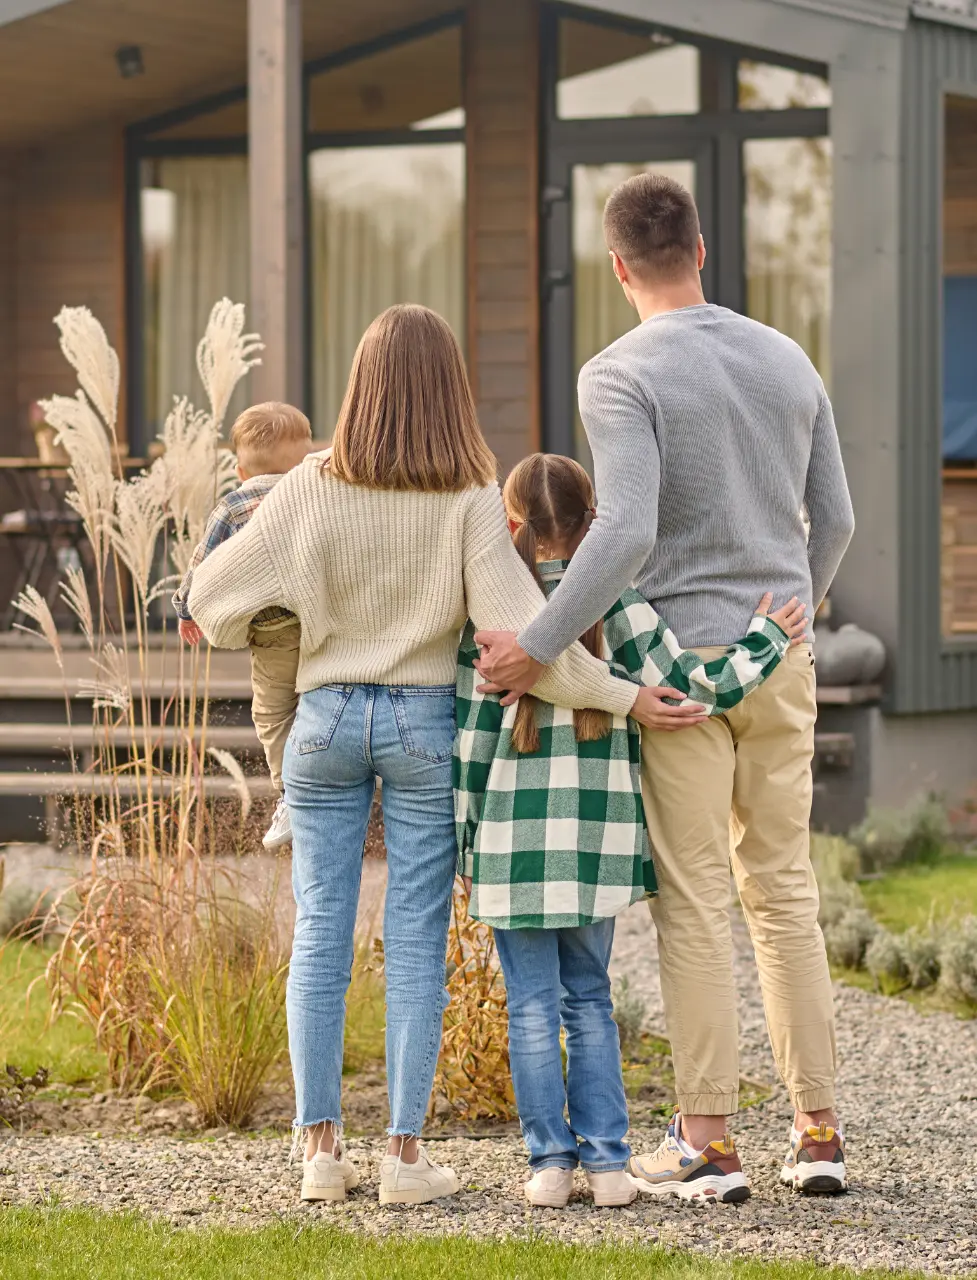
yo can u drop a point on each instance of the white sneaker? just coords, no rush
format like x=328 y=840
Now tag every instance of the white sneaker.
x=550 y=1187
x=402 y=1183
x=280 y=831
x=612 y=1187
x=328 y=1177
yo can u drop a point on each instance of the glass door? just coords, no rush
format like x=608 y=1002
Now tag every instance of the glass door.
x=584 y=306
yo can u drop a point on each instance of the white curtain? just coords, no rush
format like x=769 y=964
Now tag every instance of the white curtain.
x=788 y=240
x=387 y=226
x=202 y=256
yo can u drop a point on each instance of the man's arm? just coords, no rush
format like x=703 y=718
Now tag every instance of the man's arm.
x=620 y=428
x=828 y=504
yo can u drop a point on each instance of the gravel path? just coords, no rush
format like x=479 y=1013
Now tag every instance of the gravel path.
x=913 y=1202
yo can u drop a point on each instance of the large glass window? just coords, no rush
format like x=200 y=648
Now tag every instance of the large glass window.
x=607 y=71
x=387 y=225
x=601 y=312
x=386 y=189
x=765 y=87
x=195 y=251
x=959 y=570
x=787 y=234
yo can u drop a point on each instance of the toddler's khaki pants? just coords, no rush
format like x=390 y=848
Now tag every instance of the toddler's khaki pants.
x=753 y=763
x=274 y=667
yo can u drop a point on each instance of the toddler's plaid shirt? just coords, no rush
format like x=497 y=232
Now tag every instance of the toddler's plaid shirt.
x=556 y=838
x=232 y=513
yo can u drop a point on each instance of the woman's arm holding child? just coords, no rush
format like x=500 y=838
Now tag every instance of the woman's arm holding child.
x=234 y=583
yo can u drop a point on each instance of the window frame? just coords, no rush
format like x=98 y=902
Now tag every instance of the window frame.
x=966 y=642
x=715 y=137
x=141 y=142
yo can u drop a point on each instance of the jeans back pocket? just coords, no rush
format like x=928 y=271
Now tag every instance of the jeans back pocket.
x=318 y=716
x=426 y=721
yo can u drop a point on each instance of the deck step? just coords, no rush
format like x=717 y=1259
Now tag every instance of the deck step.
x=29 y=739
x=218 y=786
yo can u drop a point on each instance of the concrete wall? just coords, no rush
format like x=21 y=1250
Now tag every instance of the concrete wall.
x=911 y=755
x=502 y=106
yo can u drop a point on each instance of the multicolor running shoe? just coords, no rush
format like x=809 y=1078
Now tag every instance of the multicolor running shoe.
x=815 y=1162
x=714 y=1174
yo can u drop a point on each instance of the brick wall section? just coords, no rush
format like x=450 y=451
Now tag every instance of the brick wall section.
x=70 y=251
x=502 y=112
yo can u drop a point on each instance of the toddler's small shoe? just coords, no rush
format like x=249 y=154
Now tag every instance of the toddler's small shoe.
x=280 y=831
x=328 y=1177
x=613 y=1187
x=402 y=1183
x=550 y=1188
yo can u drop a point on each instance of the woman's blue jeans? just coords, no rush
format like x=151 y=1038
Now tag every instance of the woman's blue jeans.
x=344 y=737
x=554 y=976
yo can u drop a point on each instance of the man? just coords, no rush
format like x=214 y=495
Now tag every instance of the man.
x=709 y=433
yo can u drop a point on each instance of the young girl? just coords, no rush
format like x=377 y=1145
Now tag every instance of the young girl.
x=552 y=839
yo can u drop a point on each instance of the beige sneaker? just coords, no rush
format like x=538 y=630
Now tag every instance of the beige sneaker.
x=328 y=1177
x=402 y=1183
x=613 y=1187
x=550 y=1187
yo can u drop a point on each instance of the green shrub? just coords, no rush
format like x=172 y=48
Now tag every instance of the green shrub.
x=834 y=858
x=958 y=961
x=921 y=956
x=837 y=898
x=886 y=963
x=630 y=1015
x=25 y=913
x=895 y=837
x=847 y=940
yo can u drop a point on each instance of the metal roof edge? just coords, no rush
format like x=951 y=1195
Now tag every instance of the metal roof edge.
x=934 y=12
x=14 y=10
x=891 y=14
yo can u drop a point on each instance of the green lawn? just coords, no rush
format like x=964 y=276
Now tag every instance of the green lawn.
x=27 y=1037
x=912 y=895
x=52 y=1243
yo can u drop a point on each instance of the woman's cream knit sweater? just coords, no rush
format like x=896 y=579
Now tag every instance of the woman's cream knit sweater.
x=382 y=583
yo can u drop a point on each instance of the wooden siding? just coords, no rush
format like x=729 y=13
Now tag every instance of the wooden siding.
x=958 y=572
x=9 y=434
x=69 y=251
x=502 y=112
x=931 y=674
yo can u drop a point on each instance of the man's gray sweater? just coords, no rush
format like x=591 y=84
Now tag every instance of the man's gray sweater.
x=709 y=433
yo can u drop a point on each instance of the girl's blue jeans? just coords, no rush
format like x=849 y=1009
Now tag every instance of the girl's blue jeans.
x=556 y=976
x=344 y=737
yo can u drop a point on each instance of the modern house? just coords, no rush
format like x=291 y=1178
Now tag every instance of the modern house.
x=322 y=161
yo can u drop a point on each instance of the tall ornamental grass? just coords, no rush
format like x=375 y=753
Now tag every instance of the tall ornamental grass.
x=181 y=981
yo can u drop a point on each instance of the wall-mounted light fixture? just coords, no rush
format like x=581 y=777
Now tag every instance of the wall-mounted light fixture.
x=128 y=59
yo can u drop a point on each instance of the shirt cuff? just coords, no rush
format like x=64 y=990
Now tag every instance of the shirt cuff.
x=765 y=626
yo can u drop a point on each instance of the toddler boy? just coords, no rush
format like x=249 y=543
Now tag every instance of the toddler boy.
x=269 y=439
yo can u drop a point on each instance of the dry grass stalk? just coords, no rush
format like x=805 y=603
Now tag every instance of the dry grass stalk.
x=179 y=983
x=473 y=1069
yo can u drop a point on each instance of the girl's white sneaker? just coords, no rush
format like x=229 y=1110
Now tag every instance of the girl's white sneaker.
x=550 y=1188
x=613 y=1187
x=402 y=1183
x=328 y=1177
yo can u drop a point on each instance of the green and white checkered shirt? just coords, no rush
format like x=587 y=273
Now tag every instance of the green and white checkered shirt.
x=556 y=838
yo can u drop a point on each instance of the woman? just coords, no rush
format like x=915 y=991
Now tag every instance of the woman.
x=382 y=553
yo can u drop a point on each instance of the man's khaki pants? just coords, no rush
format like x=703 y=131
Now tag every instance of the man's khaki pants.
x=753 y=763
x=274 y=667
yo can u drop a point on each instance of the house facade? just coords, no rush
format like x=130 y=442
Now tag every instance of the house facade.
x=322 y=161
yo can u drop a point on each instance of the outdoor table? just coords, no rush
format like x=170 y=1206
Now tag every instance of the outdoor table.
x=42 y=534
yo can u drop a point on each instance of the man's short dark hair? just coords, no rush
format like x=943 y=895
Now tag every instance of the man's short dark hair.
x=652 y=224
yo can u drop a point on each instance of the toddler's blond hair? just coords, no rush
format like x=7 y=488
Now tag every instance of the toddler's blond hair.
x=260 y=432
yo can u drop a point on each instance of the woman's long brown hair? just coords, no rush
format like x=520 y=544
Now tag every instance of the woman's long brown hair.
x=552 y=498
x=408 y=418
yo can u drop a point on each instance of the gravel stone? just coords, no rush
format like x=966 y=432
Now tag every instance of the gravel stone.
x=908 y=1092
